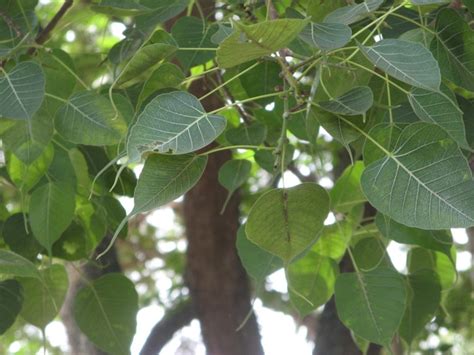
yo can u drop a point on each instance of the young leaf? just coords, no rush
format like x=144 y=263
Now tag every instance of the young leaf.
x=43 y=298
x=257 y=262
x=439 y=108
x=452 y=47
x=353 y=13
x=424 y=296
x=371 y=303
x=173 y=122
x=423 y=181
x=406 y=61
x=232 y=175
x=12 y=264
x=11 y=299
x=51 y=211
x=347 y=192
x=105 y=310
x=22 y=91
x=423 y=259
x=120 y=8
x=334 y=240
x=354 y=102
x=312 y=276
x=88 y=118
x=165 y=178
x=285 y=222
x=326 y=36
x=254 y=41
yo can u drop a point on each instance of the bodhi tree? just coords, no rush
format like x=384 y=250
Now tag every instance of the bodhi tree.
x=368 y=105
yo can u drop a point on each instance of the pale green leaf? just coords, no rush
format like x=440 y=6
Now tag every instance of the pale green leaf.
x=21 y=91
x=11 y=299
x=43 y=298
x=253 y=134
x=423 y=259
x=326 y=36
x=423 y=181
x=354 y=102
x=120 y=8
x=254 y=41
x=334 y=240
x=105 y=310
x=285 y=222
x=173 y=122
x=165 y=178
x=347 y=192
x=51 y=211
x=12 y=264
x=313 y=277
x=406 y=61
x=353 y=13
x=371 y=303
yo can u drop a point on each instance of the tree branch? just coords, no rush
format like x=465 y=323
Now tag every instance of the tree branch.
x=44 y=34
x=163 y=331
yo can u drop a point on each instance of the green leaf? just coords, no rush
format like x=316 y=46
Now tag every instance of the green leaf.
x=234 y=173
x=88 y=118
x=406 y=61
x=353 y=13
x=190 y=32
x=371 y=303
x=452 y=47
x=334 y=240
x=266 y=159
x=439 y=108
x=105 y=310
x=22 y=91
x=11 y=299
x=120 y=8
x=268 y=74
x=173 y=123
x=347 y=192
x=165 y=178
x=221 y=34
x=253 y=134
x=370 y=253
x=26 y=176
x=429 y=2
x=285 y=222
x=43 y=298
x=146 y=58
x=167 y=75
x=423 y=181
x=15 y=265
x=51 y=211
x=338 y=128
x=423 y=259
x=326 y=36
x=255 y=41
x=440 y=240
x=257 y=262
x=313 y=277
x=18 y=239
x=424 y=291
x=354 y=102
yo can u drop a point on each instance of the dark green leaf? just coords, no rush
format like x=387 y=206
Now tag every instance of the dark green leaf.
x=354 y=102
x=11 y=299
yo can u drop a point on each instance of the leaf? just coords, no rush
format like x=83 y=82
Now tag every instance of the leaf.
x=105 y=310
x=423 y=181
x=11 y=299
x=88 y=118
x=371 y=303
x=167 y=75
x=257 y=262
x=253 y=134
x=353 y=13
x=165 y=178
x=51 y=211
x=440 y=240
x=452 y=47
x=22 y=91
x=43 y=298
x=347 y=192
x=190 y=32
x=268 y=74
x=312 y=276
x=120 y=8
x=406 y=61
x=144 y=59
x=221 y=34
x=424 y=293
x=326 y=36
x=12 y=264
x=234 y=173
x=429 y=2
x=334 y=240
x=439 y=108
x=338 y=128
x=255 y=41
x=173 y=122
x=370 y=253
x=285 y=222
x=18 y=239
x=26 y=176
x=354 y=102
x=266 y=159
x=419 y=259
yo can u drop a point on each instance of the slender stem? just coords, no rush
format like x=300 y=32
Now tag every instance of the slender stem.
x=195 y=76
x=196 y=49
x=247 y=100
x=229 y=147
x=407 y=19
x=56 y=97
x=389 y=99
